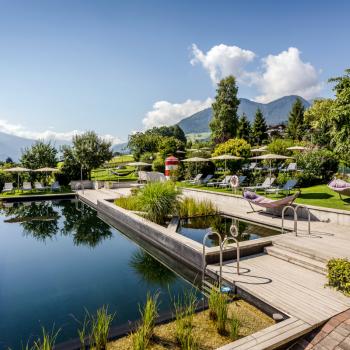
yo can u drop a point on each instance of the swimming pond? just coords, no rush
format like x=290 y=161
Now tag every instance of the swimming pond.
x=197 y=227
x=57 y=258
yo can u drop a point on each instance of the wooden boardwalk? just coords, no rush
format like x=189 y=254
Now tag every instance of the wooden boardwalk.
x=294 y=290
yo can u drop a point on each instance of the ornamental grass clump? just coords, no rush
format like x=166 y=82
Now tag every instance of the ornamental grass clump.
x=100 y=325
x=190 y=207
x=184 y=313
x=213 y=301
x=158 y=200
x=128 y=203
x=339 y=275
x=221 y=313
x=142 y=336
x=234 y=328
x=48 y=340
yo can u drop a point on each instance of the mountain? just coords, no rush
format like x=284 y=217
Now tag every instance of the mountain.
x=275 y=112
x=12 y=146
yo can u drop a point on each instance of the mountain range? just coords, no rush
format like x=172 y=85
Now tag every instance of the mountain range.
x=275 y=112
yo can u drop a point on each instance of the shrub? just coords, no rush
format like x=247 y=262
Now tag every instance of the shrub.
x=147 y=157
x=190 y=207
x=339 y=275
x=234 y=328
x=158 y=164
x=279 y=146
x=158 y=200
x=318 y=166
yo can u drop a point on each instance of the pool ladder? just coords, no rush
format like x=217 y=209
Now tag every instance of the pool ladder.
x=295 y=214
x=207 y=285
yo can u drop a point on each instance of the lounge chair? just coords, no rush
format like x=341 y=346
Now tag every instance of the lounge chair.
x=265 y=185
x=8 y=187
x=55 y=186
x=252 y=166
x=268 y=203
x=206 y=179
x=27 y=186
x=287 y=187
x=340 y=186
x=223 y=182
x=39 y=186
x=291 y=167
x=195 y=179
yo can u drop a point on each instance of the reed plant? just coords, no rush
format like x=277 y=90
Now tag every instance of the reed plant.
x=83 y=332
x=141 y=338
x=213 y=301
x=234 y=328
x=100 y=325
x=128 y=203
x=47 y=340
x=221 y=313
x=190 y=207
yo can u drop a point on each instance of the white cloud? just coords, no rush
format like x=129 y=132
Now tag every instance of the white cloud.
x=286 y=74
x=166 y=113
x=21 y=131
x=222 y=60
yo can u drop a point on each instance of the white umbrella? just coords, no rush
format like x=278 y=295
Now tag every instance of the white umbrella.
x=259 y=150
x=18 y=170
x=46 y=170
x=195 y=160
x=138 y=164
x=225 y=157
x=270 y=157
x=297 y=148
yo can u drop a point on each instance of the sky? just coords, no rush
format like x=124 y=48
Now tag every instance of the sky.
x=121 y=66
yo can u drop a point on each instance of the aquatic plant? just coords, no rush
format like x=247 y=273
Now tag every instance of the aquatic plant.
x=128 y=203
x=158 y=200
x=184 y=313
x=47 y=341
x=213 y=301
x=142 y=336
x=100 y=325
x=83 y=332
x=221 y=313
x=190 y=207
x=234 y=328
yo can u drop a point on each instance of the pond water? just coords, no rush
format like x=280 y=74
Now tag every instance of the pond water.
x=57 y=258
x=197 y=227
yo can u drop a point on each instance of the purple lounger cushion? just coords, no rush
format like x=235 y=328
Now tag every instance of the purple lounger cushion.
x=339 y=184
x=267 y=202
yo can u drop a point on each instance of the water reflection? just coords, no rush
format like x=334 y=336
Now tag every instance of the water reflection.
x=40 y=220
x=150 y=269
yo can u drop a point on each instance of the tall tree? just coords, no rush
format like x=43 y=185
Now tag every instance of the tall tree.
x=259 y=129
x=297 y=126
x=244 y=128
x=225 y=120
x=91 y=151
x=39 y=155
x=340 y=115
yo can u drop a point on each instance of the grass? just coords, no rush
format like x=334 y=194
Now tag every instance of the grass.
x=319 y=195
x=204 y=330
x=19 y=193
x=190 y=207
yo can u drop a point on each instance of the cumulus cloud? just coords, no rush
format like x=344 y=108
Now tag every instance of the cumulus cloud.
x=167 y=113
x=286 y=74
x=274 y=76
x=222 y=60
x=21 y=131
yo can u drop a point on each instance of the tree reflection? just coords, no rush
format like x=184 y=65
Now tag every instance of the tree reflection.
x=38 y=219
x=150 y=269
x=82 y=222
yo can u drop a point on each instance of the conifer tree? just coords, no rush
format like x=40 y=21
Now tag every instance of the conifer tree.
x=296 y=123
x=244 y=128
x=259 y=129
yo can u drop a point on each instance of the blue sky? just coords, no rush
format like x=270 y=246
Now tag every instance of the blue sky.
x=106 y=65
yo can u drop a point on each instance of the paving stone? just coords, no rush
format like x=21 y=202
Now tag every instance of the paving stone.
x=345 y=344
x=327 y=328
x=318 y=337
x=329 y=343
x=343 y=329
x=336 y=336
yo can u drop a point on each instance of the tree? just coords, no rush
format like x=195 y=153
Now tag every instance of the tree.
x=39 y=155
x=90 y=151
x=318 y=116
x=259 y=129
x=9 y=160
x=169 y=145
x=225 y=120
x=340 y=116
x=244 y=129
x=297 y=125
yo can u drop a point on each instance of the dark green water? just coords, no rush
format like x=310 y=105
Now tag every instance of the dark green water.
x=55 y=261
x=196 y=228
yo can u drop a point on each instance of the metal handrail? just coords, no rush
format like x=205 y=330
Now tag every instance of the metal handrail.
x=295 y=219
x=227 y=239
x=79 y=184
x=204 y=262
x=299 y=206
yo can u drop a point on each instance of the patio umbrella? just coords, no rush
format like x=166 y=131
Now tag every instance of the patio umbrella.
x=195 y=160
x=18 y=170
x=138 y=164
x=259 y=150
x=297 y=148
x=270 y=157
x=45 y=170
x=225 y=157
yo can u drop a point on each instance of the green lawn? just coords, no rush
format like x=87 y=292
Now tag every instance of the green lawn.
x=18 y=193
x=319 y=195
